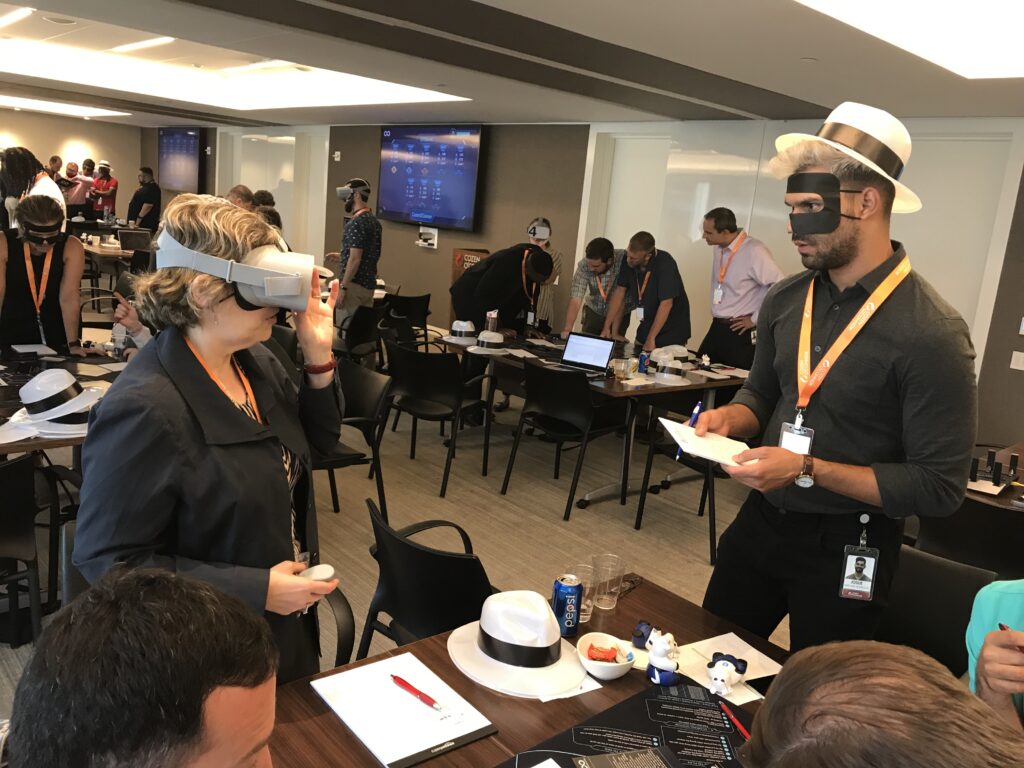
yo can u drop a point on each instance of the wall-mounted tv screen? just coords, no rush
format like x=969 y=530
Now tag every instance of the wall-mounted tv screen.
x=428 y=175
x=179 y=159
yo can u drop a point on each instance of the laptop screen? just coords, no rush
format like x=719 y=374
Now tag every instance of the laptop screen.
x=588 y=351
x=135 y=239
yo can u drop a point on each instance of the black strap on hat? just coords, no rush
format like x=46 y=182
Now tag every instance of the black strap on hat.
x=79 y=417
x=66 y=395
x=490 y=344
x=459 y=334
x=863 y=144
x=518 y=655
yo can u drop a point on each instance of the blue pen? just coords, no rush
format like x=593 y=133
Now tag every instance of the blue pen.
x=692 y=423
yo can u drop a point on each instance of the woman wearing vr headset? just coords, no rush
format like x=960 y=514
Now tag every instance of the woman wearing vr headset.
x=40 y=279
x=198 y=458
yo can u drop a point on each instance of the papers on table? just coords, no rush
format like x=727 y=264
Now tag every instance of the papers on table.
x=396 y=726
x=711 y=447
x=522 y=353
x=114 y=366
x=12 y=433
x=712 y=375
x=987 y=487
x=693 y=662
x=39 y=349
x=545 y=343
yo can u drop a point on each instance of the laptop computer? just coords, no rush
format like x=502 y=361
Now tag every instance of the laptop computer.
x=135 y=239
x=589 y=354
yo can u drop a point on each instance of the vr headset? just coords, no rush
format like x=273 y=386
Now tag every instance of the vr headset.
x=271 y=277
x=539 y=232
x=352 y=186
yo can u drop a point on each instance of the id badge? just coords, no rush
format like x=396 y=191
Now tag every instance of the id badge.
x=857 y=581
x=753 y=335
x=640 y=314
x=796 y=439
x=718 y=295
x=530 y=317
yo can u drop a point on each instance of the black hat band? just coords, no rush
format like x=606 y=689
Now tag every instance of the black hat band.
x=518 y=655
x=863 y=144
x=462 y=334
x=490 y=344
x=66 y=395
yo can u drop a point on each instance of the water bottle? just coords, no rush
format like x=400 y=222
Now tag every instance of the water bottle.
x=119 y=338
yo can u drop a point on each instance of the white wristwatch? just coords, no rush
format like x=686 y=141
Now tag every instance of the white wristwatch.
x=806 y=477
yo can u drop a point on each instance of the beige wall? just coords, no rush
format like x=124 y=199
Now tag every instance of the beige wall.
x=527 y=171
x=76 y=139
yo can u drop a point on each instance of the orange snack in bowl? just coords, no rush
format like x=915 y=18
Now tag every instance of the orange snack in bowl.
x=595 y=653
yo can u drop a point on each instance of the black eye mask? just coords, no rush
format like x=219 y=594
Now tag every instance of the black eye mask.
x=43 y=235
x=826 y=186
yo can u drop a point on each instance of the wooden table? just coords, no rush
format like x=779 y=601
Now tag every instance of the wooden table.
x=107 y=253
x=309 y=735
x=1002 y=500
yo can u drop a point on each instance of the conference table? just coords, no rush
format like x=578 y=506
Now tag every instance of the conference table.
x=309 y=735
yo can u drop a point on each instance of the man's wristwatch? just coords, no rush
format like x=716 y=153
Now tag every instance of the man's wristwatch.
x=806 y=477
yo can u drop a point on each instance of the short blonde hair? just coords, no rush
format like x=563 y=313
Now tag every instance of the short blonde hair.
x=167 y=297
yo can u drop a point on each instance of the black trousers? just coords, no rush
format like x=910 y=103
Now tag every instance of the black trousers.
x=772 y=563
x=724 y=345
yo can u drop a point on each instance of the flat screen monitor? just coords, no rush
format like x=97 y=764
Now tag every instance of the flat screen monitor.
x=428 y=175
x=179 y=159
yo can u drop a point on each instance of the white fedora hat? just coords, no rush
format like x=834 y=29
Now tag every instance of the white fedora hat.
x=870 y=136
x=54 y=395
x=516 y=648
x=462 y=332
x=489 y=343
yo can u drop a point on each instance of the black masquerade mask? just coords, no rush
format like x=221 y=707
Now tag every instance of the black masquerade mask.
x=826 y=186
x=42 y=234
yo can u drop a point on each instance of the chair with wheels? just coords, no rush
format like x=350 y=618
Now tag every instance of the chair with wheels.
x=930 y=605
x=18 y=542
x=430 y=386
x=561 y=405
x=423 y=590
x=365 y=394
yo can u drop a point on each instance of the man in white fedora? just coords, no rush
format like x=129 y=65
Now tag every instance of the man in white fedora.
x=859 y=369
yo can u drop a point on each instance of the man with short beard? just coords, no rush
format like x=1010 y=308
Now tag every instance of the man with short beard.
x=863 y=386
x=360 y=249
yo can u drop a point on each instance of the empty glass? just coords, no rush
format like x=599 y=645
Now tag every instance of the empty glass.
x=607 y=580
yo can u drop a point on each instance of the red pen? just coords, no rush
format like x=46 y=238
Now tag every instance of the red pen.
x=407 y=686
x=737 y=723
x=1007 y=629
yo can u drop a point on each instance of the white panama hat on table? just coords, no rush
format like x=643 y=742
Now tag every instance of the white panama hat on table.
x=516 y=648
x=56 y=403
x=872 y=137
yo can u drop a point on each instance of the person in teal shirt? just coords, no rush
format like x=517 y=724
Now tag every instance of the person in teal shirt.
x=995 y=659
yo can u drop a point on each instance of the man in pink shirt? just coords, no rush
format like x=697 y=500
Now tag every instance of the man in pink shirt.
x=76 y=195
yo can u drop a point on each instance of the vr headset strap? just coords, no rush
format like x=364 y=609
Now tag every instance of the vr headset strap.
x=171 y=253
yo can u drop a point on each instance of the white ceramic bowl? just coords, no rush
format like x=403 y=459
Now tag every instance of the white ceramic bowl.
x=602 y=670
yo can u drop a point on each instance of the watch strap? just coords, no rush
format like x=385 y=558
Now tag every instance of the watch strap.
x=330 y=365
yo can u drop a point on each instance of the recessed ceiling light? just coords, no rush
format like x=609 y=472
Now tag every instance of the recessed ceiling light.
x=257 y=65
x=142 y=44
x=974 y=40
x=15 y=16
x=58 y=108
x=808 y=60
x=59 y=20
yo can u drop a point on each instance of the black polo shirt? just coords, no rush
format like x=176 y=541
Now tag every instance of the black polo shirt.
x=147 y=193
x=362 y=231
x=664 y=283
x=901 y=399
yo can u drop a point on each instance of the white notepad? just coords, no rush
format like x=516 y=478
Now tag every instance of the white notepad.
x=396 y=726
x=39 y=349
x=710 y=446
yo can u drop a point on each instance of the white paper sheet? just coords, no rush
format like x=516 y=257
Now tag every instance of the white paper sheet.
x=114 y=366
x=39 y=349
x=545 y=343
x=523 y=354
x=390 y=721
x=712 y=447
x=693 y=662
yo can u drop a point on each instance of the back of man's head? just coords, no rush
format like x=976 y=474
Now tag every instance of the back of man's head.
x=641 y=242
x=539 y=264
x=861 y=703
x=121 y=675
x=600 y=249
x=241 y=196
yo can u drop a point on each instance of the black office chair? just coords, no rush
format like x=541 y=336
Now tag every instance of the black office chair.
x=345 y=623
x=560 y=404
x=18 y=541
x=365 y=394
x=981 y=534
x=930 y=606
x=284 y=344
x=415 y=309
x=98 y=304
x=359 y=335
x=423 y=590
x=72 y=582
x=429 y=386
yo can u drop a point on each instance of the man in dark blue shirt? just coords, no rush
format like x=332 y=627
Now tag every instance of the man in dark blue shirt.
x=360 y=250
x=144 y=209
x=651 y=279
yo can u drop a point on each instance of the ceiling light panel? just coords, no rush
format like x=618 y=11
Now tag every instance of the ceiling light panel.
x=13 y=17
x=57 y=108
x=975 y=40
x=142 y=45
x=277 y=87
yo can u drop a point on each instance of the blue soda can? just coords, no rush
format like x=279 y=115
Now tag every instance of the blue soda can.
x=643 y=361
x=566 y=598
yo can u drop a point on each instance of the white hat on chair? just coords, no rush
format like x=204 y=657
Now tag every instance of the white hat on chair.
x=516 y=648
x=870 y=136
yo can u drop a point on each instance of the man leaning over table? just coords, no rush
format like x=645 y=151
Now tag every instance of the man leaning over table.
x=867 y=439
x=593 y=283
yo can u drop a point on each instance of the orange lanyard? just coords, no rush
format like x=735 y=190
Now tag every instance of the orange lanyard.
x=641 y=288
x=533 y=298
x=38 y=295
x=809 y=382
x=722 y=270
x=360 y=212
x=600 y=287
x=250 y=398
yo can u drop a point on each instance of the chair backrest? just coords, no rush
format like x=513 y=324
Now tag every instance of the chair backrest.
x=72 y=582
x=981 y=534
x=345 y=624
x=18 y=509
x=930 y=606
x=285 y=336
x=361 y=330
x=563 y=395
x=434 y=376
x=414 y=308
x=365 y=392
x=426 y=590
